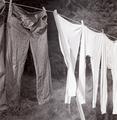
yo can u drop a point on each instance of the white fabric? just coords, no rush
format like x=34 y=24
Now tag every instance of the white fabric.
x=94 y=50
x=103 y=79
x=114 y=76
x=109 y=52
x=112 y=64
x=69 y=39
x=91 y=45
x=82 y=65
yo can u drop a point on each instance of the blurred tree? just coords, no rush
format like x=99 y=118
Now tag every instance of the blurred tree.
x=95 y=5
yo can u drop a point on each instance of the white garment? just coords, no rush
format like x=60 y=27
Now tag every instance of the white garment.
x=69 y=39
x=94 y=50
x=114 y=76
x=109 y=53
x=91 y=45
x=103 y=80
x=112 y=64
x=82 y=65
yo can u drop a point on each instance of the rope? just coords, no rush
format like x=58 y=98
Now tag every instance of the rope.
x=78 y=22
x=2 y=10
x=35 y=8
x=50 y=11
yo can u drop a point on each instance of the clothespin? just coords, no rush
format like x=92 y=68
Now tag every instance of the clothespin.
x=55 y=11
x=103 y=35
x=102 y=30
x=44 y=8
x=82 y=25
x=82 y=22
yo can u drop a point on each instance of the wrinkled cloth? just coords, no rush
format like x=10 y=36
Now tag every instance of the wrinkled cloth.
x=82 y=66
x=111 y=51
x=24 y=29
x=69 y=40
x=3 y=102
x=114 y=77
x=103 y=78
x=91 y=45
x=93 y=49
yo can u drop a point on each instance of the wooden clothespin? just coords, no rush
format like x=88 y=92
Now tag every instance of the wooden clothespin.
x=82 y=22
x=55 y=11
x=43 y=8
x=102 y=30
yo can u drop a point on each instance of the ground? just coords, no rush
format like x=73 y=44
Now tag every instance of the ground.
x=55 y=109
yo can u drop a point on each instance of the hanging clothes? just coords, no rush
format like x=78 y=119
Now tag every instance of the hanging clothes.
x=91 y=45
x=81 y=81
x=93 y=49
x=114 y=77
x=24 y=29
x=69 y=39
x=3 y=102
x=112 y=64
x=103 y=78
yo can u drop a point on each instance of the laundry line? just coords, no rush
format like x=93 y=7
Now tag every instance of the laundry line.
x=28 y=6
x=2 y=10
x=75 y=21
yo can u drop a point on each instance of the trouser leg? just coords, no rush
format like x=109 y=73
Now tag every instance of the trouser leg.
x=39 y=48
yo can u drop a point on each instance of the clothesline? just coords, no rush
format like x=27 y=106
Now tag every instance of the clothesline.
x=2 y=10
x=50 y=11
x=29 y=7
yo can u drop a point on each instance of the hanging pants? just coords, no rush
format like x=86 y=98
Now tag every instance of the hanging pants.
x=93 y=49
x=24 y=28
x=82 y=78
x=92 y=45
x=3 y=103
x=114 y=77
x=112 y=64
x=69 y=40
x=103 y=78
